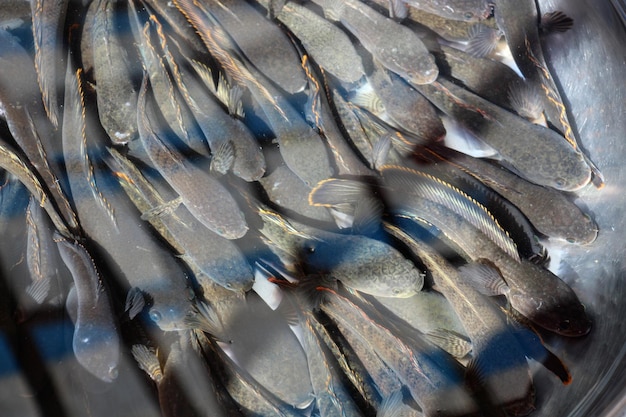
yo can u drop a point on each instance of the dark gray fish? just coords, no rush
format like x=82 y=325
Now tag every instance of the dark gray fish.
x=177 y=22
x=321 y=40
x=539 y=154
x=408 y=108
x=213 y=256
x=96 y=342
x=157 y=275
x=23 y=110
x=434 y=383
x=395 y=46
x=113 y=71
x=40 y=251
x=359 y=262
x=532 y=290
x=48 y=23
x=463 y=10
x=266 y=47
x=204 y=196
x=550 y=212
x=498 y=360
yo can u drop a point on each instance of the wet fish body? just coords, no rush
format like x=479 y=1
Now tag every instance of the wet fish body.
x=462 y=10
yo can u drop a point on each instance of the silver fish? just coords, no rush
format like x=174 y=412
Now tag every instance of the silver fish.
x=96 y=342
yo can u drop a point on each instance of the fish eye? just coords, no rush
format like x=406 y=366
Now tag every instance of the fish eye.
x=492 y=9
x=564 y=325
x=560 y=182
x=310 y=249
x=570 y=240
x=155 y=316
x=396 y=291
x=469 y=15
x=113 y=372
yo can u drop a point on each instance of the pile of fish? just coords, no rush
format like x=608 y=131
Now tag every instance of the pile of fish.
x=275 y=186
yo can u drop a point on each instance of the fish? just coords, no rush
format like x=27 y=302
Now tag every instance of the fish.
x=96 y=342
x=27 y=121
x=436 y=384
x=550 y=212
x=321 y=39
x=279 y=62
x=114 y=72
x=538 y=154
x=462 y=10
x=534 y=291
x=498 y=360
x=359 y=262
x=48 y=23
x=177 y=22
x=158 y=275
x=406 y=107
x=211 y=255
x=40 y=252
x=214 y=207
x=393 y=45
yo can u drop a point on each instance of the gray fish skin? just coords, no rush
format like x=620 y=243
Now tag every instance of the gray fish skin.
x=393 y=45
x=266 y=47
x=550 y=211
x=359 y=262
x=286 y=189
x=497 y=357
x=438 y=391
x=96 y=342
x=113 y=71
x=535 y=292
x=211 y=255
x=177 y=22
x=204 y=196
x=23 y=110
x=249 y=163
x=537 y=153
x=158 y=273
x=321 y=39
x=48 y=22
x=408 y=108
x=462 y=10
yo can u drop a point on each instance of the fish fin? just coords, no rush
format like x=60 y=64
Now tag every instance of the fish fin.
x=223 y=158
x=162 y=210
x=380 y=151
x=535 y=349
x=485 y=278
x=206 y=320
x=474 y=371
x=525 y=99
x=392 y=405
x=368 y=212
x=367 y=98
x=148 y=361
x=452 y=342
x=230 y=96
x=398 y=9
x=556 y=21
x=287 y=310
x=39 y=289
x=311 y=290
x=482 y=40
x=334 y=191
x=135 y=302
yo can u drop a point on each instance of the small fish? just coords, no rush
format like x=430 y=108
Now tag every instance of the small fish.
x=40 y=252
x=497 y=358
x=214 y=207
x=408 y=108
x=321 y=40
x=396 y=47
x=48 y=22
x=538 y=154
x=113 y=71
x=215 y=257
x=96 y=342
x=532 y=290
x=359 y=262
x=462 y=10
x=267 y=47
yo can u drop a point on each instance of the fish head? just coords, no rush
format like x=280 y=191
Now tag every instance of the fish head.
x=563 y=317
x=425 y=72
x=97 y=350
x=172 y=313
x=568 y=171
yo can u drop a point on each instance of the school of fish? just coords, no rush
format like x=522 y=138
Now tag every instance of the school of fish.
x=279 y=189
